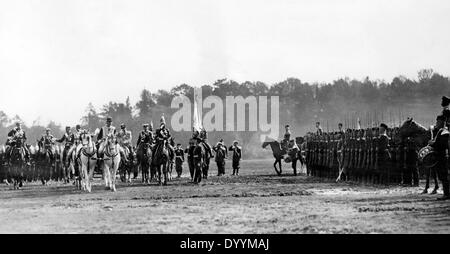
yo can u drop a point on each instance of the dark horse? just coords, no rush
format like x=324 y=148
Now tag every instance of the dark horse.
x=45 y=160
x=160 y=160
x=127 y=165
x=17 y=163
x=421 y=136
x=279 y=153
x=144 y=157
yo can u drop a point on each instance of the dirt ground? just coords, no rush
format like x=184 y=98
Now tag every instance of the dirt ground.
x=257 y=201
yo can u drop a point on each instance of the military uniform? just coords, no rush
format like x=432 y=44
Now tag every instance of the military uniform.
x=190 y=159
x=179 y=159
x=48 y=141
x=221 y=153
x=236 y=158
x=16 y=134
x=441 y=147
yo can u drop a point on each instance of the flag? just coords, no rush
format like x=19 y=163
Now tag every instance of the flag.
x=197 y=118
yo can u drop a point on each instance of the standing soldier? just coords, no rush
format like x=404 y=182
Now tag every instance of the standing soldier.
x=411 y=173
x=383 y=153
x=319 y=130
x=237 y=155
x=190 y=157
x=221 y=153
x=440 y=146
x=179 y=159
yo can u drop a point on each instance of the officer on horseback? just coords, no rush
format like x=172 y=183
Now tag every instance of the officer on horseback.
x=125 y=138
x=17 y=134
x=145 y=137
x=48 y=142
x=286 y=138
x=163 y=135
x=68 y=138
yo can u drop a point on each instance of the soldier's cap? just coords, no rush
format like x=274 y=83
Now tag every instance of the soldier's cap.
x=384 y=125
x=178 y=144
x=145 y=125
x=18 y=123
x=287 y=126
x=109 y=119
x=78 y=126
x=235 y=142
x=68 y=127
x=445 y=101
x=48 y=129
x=122 y=125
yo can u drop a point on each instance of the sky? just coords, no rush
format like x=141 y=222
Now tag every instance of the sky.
x=56 y=56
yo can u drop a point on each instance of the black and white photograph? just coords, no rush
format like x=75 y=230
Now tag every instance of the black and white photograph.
x=224 y=117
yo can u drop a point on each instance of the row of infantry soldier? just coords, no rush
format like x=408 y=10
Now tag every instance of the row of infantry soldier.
x=362 y=154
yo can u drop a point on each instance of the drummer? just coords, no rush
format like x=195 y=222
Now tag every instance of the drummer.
x=440 y=147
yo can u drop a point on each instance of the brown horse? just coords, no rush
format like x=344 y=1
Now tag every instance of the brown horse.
x=421 y=136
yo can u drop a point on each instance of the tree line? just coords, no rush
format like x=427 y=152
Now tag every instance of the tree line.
x=301 y=105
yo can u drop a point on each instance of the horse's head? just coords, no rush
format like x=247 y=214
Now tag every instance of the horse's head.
x=111 y=140
x=86 y=139
x=409 y=128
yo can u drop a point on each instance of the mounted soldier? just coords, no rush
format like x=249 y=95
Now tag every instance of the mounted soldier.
x=144 y=151
x=48 y=142
x=124 y=137
x=17 y=134
x=104 y=132
x=163 y=136
x=68 y=140
x=286 y=138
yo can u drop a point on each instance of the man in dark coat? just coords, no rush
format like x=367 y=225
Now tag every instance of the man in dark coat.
x=190 y=157
x=221 y=153
x=383 y=153
x=179 y=159
x=237 y=155
x=440 y=146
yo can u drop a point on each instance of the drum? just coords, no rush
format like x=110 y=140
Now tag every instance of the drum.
x=427 y=157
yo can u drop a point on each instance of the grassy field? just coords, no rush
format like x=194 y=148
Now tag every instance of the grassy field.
x=257 y=201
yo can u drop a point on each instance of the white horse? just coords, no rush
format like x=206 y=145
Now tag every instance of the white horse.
x=111 y=161
x=88 y=159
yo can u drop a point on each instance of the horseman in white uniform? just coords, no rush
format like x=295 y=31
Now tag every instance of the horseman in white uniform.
x=105 y=131
x=124 y=137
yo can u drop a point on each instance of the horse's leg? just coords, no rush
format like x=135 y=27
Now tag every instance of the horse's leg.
x=165 y=172
x=436 y=182
x=280 y=165
x=274 y=166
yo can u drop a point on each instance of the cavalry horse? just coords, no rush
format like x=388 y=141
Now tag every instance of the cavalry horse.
x=144 y=156
x=17 y=163
x=127 y=165
x=279 y=154
x=421 y=136
x=111 y=161
x=88 y=160
x=45 y=161
x=161 y=159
